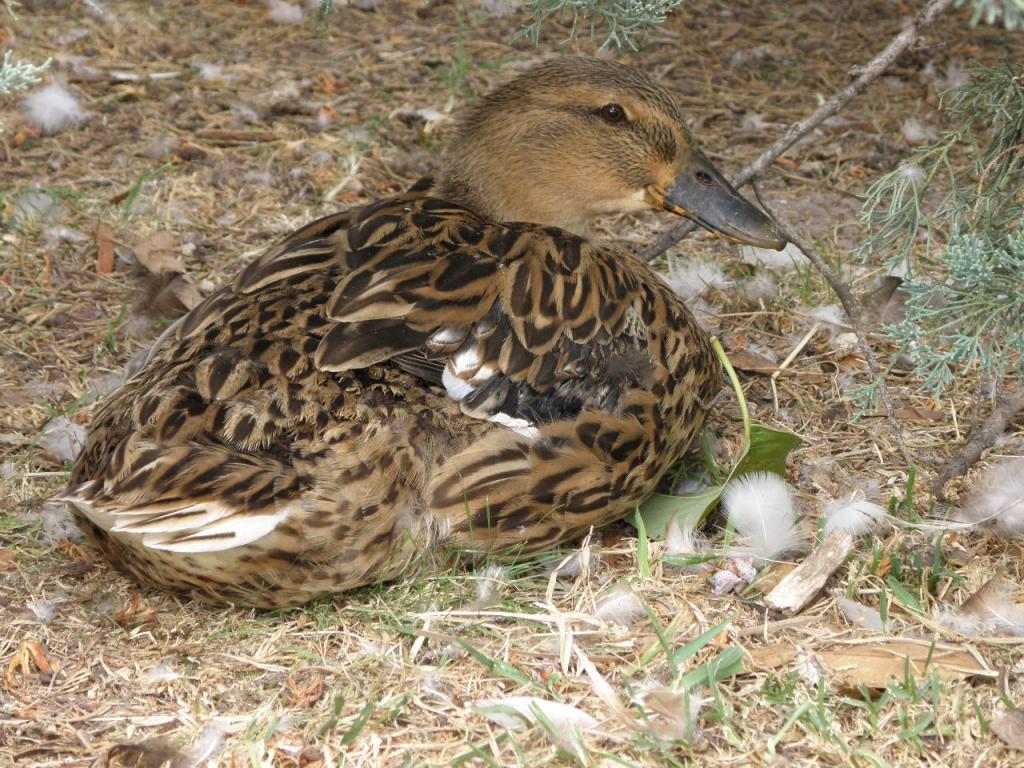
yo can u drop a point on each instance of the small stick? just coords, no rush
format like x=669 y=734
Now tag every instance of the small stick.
x=865 y=76
x=1005 y=409
x=789 y=359
x=842 y=290
x=800 y=585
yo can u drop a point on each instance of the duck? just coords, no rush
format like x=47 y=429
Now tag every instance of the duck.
x=457 y=369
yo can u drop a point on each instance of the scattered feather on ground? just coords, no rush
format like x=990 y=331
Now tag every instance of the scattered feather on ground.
x=691 y=278
x=996 y=501
x=789 y=257
x=53 y=108
x=992 y=611
x=760 y=508
x=517 y=713
x=859 y=614
x=620 y=606
x=284 y=13
x=855 y=513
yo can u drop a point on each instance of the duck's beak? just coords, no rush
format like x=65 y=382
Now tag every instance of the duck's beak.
x=699 y=192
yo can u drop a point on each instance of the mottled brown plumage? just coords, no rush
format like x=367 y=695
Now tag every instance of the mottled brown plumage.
x=420 y=374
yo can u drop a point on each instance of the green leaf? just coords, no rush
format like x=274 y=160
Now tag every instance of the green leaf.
x=498 y=667
x=728 y=663
x=691 y=649
x=357 y=725
x=658 y=510
x=904 y=595
x=765 y=450
x=643 y=553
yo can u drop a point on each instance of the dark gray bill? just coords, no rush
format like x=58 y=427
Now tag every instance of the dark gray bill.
x=702 y=194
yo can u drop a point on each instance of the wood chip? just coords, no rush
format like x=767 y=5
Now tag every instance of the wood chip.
x=805 y=581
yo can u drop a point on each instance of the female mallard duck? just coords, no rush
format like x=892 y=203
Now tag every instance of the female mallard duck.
x=425 y=371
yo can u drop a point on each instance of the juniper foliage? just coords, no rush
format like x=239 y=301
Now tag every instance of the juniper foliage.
x=965 y=306
x=623 y=22
x=18 y=76
x=1008 y=13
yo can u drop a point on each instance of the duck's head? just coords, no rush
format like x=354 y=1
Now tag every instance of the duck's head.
x=575 y=138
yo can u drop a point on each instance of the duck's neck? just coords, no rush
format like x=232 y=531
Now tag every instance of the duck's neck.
x=506 y=197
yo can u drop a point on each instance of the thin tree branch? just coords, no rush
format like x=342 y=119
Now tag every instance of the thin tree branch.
x=983 y=437
x=864 y=77
x=842 y=290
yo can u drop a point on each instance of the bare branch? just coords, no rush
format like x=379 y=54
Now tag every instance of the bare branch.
x=983 y=437
x=842 y=290
x=865 y=76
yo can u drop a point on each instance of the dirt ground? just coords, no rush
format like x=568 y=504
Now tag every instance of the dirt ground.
x=209 y=131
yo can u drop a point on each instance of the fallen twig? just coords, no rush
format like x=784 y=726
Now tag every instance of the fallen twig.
x=864 y=77
x=1006 y=407
x=842 y=290
x=801 y=584
x=231 y=136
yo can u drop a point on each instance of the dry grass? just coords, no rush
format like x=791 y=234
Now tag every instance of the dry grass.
x=384 y=676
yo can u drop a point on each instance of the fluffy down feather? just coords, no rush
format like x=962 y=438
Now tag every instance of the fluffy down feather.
x=854 y=513
x=52 y=108
x=760 y=507
x=996 y=502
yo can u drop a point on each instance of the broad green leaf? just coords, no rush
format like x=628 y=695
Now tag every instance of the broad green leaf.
x=658 y=510
x=765 y=450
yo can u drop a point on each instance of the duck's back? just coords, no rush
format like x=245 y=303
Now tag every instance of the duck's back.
x=385 y=382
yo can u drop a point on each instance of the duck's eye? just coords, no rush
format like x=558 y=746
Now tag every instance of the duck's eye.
x=612 y=113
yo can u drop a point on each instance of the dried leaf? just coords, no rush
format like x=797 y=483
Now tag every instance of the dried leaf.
x=1010 y=728
x=8 y=559
x=876 y=664
x=742 y=360
x=104 y=248
x=158 y=254
x=166 y=295
x=305 y=694
x=29 y=656
x=135 y=612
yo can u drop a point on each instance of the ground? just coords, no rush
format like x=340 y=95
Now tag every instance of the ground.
x=223 y=130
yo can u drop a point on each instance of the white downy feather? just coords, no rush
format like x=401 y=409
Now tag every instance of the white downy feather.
x=284 y=13
x=488 y=585
x=517 y=713
x=854 y=513
x=620 y=606
x=682 y=538
x=690 y=278
x=996 y=502
x=53 y=108
x=789 y=257
x=859 y=614
x=760 y=508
